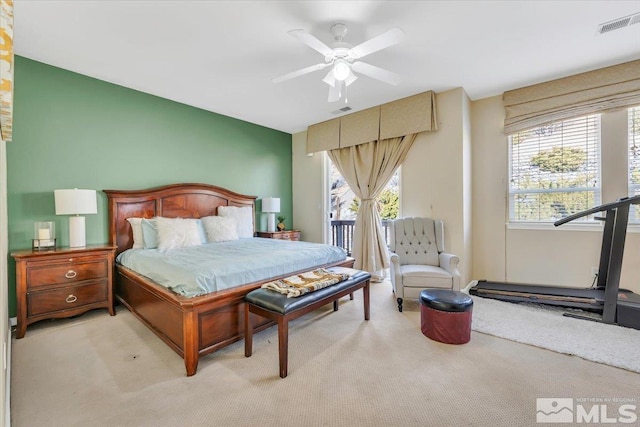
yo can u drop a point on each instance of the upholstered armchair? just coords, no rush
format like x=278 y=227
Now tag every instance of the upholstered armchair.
x=418 y=260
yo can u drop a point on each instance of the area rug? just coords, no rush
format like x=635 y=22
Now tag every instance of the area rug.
x=546 y=327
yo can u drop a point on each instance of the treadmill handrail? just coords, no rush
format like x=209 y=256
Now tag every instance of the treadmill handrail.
x=605 y=207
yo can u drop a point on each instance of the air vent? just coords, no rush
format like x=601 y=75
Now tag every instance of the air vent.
x=341 y=110
x=619 y=23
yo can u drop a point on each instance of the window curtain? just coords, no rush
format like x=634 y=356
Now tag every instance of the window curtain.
x=367 y=168
x=6 y=69
x=587 y=93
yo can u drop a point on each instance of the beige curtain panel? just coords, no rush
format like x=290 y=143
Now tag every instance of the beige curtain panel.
x=405 y=116
x=575 y=96
x=6 y=69
x=367 y=168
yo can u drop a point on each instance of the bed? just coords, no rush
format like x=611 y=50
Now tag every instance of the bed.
x=196 y=326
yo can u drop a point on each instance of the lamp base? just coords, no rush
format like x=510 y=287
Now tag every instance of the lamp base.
x=271 y=222
x=77 y=236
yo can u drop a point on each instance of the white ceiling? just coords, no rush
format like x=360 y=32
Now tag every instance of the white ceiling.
x=221 y=55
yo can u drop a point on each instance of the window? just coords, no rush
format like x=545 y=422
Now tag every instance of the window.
x=555 y=170
x=344 y=207
x=634 y=160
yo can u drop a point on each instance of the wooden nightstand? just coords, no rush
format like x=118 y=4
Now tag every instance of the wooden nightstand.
x=62 y=283
x=283 y=235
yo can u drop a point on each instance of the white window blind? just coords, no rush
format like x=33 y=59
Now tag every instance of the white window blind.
x=555 y=170
x=634 y=160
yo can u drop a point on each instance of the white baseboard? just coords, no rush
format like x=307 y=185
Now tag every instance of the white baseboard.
x=13 y=321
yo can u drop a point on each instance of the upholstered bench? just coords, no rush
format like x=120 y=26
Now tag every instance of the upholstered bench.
x=277 y=307
x=445 y=315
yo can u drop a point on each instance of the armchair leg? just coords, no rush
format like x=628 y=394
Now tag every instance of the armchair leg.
x=399 y=304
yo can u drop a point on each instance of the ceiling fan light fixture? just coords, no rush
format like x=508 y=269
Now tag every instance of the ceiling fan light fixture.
x=341 y=69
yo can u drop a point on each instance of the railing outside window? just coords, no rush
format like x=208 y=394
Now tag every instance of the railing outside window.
x=342 y=233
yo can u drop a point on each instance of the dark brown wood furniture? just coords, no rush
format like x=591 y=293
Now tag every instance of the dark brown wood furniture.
x=63 y=282
x=192 y=327
x=281 y=309
x=283 y=235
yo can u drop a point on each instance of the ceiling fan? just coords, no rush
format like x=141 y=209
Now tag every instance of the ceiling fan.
x=343 y=59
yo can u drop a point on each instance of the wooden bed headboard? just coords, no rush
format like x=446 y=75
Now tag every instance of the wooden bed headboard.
x=171 y=201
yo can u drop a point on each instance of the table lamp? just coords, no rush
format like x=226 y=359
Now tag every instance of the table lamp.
x=271 y=205
x=76 y=202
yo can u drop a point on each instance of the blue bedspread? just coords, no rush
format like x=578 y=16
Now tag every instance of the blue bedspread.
x=199 y=270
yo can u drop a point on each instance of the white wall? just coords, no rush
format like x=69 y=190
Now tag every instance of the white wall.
x=308 y=190
x=489 y=188
x=434 y=181
x=560 y=256
x=5 y=337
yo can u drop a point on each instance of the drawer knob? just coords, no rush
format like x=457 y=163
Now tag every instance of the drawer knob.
x=71 y=299
x=70 y=274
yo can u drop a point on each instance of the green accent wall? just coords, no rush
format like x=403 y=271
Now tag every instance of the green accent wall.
x=73 y=131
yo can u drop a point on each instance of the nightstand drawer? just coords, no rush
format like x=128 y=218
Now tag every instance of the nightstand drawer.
x=46 y=302
x=280 y=235
x=69 y=272
x=288 y=236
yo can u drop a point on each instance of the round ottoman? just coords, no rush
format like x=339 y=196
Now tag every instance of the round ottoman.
x=445 y=315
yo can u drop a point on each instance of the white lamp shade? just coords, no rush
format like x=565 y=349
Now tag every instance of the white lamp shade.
x=75 y=202
x=271 y=204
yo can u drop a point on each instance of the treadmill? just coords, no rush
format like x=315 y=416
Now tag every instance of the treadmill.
x=614 y=305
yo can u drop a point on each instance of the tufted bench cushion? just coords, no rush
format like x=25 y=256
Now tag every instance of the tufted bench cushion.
x=277 y=307
x=280 y=303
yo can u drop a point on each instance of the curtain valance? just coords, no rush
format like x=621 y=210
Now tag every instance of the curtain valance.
x=587 y=93
x=405 y=116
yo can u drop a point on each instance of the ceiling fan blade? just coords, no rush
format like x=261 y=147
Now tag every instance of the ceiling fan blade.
x=298 y=73
x=384 y=40
x=311 y=41
x=329 y=78
x=376 y=72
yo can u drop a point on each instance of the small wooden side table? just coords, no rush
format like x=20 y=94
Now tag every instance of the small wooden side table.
x=63 y=282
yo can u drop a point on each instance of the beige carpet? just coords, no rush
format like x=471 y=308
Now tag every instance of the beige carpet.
x=97 y=370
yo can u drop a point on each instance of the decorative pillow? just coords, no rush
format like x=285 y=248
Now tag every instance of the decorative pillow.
x=203 y=235
x=178 y=232
x=150 y=233
x=243 y=216
x=136 y=228
x=220 y=228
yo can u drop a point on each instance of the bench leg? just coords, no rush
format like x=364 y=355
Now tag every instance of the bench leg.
x=351 y=296
x=283 y=344
x=335 y=305
x=248 y=331
x=365 y=292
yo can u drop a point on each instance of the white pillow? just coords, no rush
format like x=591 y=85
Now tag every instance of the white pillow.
x=136 y=228
x=220 y=228
x=177 y=232
x=243 y=216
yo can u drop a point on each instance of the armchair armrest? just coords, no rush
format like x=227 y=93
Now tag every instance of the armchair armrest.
x=450 y=262
x=396 y=277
